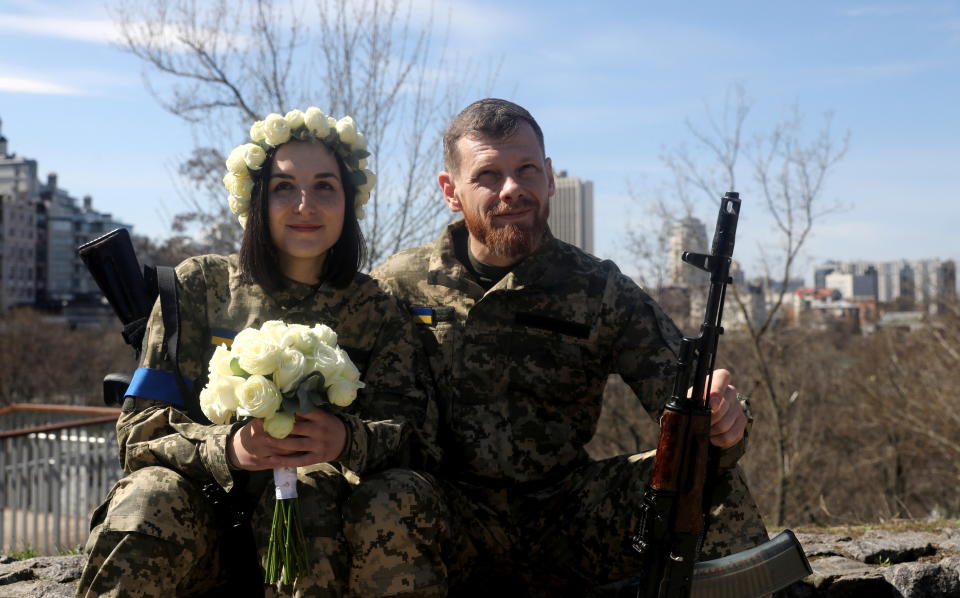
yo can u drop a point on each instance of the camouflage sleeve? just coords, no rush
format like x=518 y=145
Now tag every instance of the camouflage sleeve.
x=647 y=352
x=153 y=428
x=394 y=420
x=645 y=343
x=153 y=433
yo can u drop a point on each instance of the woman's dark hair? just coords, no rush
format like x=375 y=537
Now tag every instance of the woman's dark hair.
x=258 y=254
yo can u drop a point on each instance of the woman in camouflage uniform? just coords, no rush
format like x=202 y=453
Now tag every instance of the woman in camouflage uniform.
x=298 y=189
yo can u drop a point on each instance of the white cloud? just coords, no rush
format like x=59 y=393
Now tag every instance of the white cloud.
x=87 y=30
x=104 y=31
x=37 y=86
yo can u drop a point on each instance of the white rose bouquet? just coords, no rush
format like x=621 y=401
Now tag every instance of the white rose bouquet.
x=270 y=373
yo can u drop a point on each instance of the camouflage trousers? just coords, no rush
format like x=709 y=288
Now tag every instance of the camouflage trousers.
x=157 y=535
x=561 y=539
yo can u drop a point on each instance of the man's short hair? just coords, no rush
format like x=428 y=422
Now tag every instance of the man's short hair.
x=490 y=117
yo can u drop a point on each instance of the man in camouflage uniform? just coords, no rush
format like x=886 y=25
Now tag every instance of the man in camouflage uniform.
x=157 y=534
x=522 y=331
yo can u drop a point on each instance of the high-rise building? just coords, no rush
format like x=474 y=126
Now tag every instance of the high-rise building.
x=571 y=211
x=854 y=287
x=895 y=282
x=925 y=285
x=64 y=223
x=18 y=191
x=41 y=226
x=934 y=284
x=687 y=234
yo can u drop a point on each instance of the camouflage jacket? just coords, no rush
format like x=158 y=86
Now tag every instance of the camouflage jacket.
x=520 y=369
x=393 y=420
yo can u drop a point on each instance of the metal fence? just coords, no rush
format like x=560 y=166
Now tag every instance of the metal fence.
x=57 y=464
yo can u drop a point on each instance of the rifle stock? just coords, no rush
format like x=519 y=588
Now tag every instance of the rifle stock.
x=130 y=291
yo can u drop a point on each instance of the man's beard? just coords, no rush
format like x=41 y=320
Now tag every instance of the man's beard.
x=508 y=240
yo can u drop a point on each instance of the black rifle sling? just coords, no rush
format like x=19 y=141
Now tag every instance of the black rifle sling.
x=170 y=310
x=244 y=577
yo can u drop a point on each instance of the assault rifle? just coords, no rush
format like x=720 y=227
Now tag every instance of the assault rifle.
x=676 y=502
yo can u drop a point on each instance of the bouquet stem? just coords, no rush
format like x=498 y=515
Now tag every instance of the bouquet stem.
x=287 y=547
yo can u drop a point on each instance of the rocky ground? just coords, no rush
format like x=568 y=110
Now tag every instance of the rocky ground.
x=880 y=563
x=41 y=577
x=903 y=561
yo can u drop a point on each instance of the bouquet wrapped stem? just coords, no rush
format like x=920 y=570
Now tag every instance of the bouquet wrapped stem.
x=287 y=549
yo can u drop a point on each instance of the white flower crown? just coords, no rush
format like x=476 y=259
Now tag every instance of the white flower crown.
x=246 y=161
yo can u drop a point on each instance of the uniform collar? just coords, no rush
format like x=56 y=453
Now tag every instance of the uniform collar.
x=446 y=270
x=294 y=293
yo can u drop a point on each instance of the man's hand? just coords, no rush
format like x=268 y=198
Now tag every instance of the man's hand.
x=727 y=419
x=317 y=437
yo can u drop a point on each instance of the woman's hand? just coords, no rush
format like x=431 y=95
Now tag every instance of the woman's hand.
x=317 y=437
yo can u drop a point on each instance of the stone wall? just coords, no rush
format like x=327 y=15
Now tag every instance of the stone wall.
x=871 y=564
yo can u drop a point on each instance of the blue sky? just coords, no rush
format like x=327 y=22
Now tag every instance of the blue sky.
x=611 y=84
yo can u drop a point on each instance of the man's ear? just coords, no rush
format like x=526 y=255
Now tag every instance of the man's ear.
x=552 y=186
x=449 y=188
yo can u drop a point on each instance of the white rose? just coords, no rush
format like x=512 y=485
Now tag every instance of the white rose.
x=242 y=219
x=325 y=334
x=326 y=361
x=360 y=143
x=256 y=353
x=253 y=156
x=274 y=330
x=258 y=397
x=316 y=122
x=369 y=182
x=301 y=338
x=347 y=130
x=218 y=399
x=239 y=205
x=238 y=185
x=220 y=361
x=347 y=369
x=292 y=365
x=280 y=424
x=331 y=123
x=294 y=119
x=235 y=161
x=342 y=392
x=358 y=211
x=257 y=133
x=276 y=129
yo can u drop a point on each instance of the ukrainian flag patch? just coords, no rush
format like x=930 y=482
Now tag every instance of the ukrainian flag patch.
x=221 y=336
x=422 y=315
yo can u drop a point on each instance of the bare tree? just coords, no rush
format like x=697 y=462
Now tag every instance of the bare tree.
x=787 y=171
x=647 y=239
x=221 y=64
x=46 y=361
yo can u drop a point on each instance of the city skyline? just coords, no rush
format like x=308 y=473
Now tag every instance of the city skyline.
x=631 y=76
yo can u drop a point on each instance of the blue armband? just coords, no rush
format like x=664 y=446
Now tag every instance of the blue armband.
x=157 y=385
